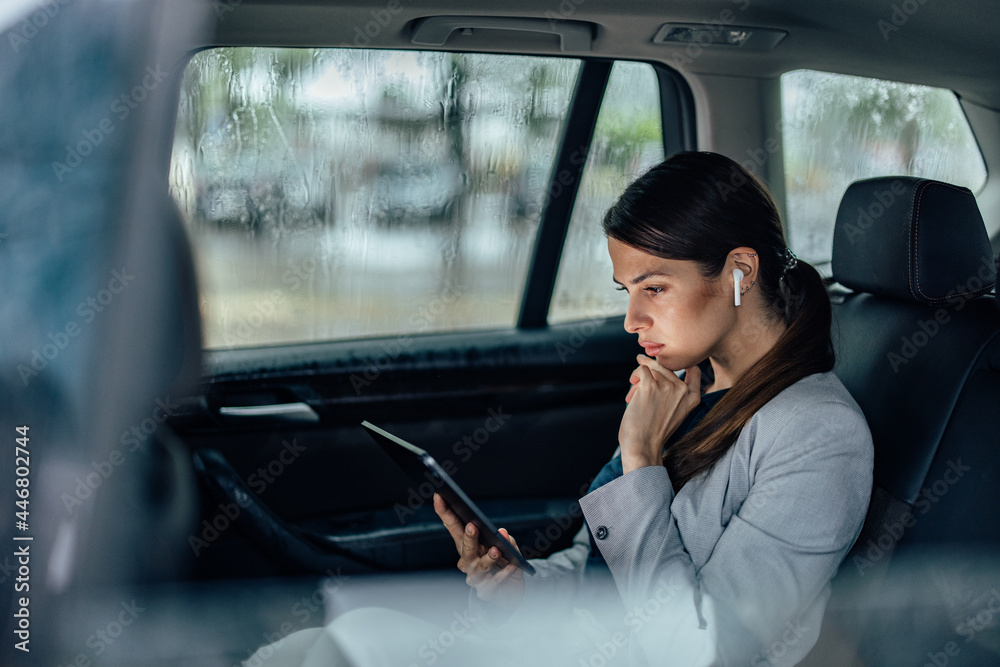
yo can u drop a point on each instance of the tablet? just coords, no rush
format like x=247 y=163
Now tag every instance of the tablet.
x=421 y=466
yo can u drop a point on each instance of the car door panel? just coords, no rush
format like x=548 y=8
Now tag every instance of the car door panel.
x=523 y=420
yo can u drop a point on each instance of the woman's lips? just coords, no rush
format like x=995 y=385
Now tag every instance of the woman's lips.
x=652 y=349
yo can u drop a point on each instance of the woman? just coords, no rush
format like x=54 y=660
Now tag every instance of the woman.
x=742 y=488
x=734 y=493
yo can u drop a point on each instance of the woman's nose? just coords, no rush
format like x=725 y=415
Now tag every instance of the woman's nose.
x=635 y=319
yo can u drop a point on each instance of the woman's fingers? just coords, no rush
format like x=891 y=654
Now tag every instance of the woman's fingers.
x=470 y=544
x=497 y=569
x=657 y=403
x=486 y=570
x=495 y=578
x=510 y=538
x=487 y=588
x=475 y=556
x=692 y=379
x=641 y=373
x=692 y=385
x=482 y=568
x=478 y=563
x=655 y=367
x=450 y=521
x=654 y=374
x=641 y=376
x=651 y=370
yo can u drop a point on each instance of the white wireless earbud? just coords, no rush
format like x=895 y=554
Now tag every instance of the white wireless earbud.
x=737 y=277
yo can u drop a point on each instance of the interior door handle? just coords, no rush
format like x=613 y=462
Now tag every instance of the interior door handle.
x=293 y=412
x=435 y=30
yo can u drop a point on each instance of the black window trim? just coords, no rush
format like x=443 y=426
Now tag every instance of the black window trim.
x=563 y=185
x=676 y=111
x=677 y=120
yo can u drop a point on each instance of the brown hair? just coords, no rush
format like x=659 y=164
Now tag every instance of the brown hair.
x=699 y=206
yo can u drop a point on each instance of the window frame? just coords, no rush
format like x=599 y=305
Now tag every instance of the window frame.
x=677 y=118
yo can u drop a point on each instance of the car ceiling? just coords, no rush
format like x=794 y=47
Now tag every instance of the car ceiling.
x=951 y=45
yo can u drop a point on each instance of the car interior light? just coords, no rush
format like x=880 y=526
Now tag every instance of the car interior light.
x=707 y=34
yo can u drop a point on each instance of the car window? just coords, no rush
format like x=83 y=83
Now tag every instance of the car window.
x=837 y=129
x=628 y=139
x=345 y=193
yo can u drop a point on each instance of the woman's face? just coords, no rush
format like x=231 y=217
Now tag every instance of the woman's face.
x=680 y=317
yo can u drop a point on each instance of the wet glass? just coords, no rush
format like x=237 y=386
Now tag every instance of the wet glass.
x=347 y=193
x=837 y=129
x=628 y=140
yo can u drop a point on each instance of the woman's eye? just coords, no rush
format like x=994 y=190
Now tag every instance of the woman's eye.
x=621 y=288
x=654 y=290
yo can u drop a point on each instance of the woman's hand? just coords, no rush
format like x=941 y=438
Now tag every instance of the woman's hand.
x=493 y=576
x=657 y=404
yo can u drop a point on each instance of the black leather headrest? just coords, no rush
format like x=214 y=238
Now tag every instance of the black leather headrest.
x=912 y=239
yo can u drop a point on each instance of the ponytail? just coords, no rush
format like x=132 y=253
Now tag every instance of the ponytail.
x=803 y=349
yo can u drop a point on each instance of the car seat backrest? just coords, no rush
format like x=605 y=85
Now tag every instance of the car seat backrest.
x=101 y=335
x=916 y=254
x=916 y=341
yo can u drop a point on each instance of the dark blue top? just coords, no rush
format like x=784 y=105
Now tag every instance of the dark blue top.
x=613 y=468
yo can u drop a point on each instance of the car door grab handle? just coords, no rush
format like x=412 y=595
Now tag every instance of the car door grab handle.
x=435 y=30
x=295 y=412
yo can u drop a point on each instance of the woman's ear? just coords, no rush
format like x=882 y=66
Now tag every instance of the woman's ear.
x=746 y=260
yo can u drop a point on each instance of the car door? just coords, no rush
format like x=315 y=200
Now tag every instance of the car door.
x=470 y=312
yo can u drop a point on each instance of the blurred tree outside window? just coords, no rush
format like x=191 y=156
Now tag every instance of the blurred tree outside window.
x=345 y=193
x=837 y=129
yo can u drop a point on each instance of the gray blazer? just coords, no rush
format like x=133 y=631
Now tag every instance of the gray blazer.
x=735 y=568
